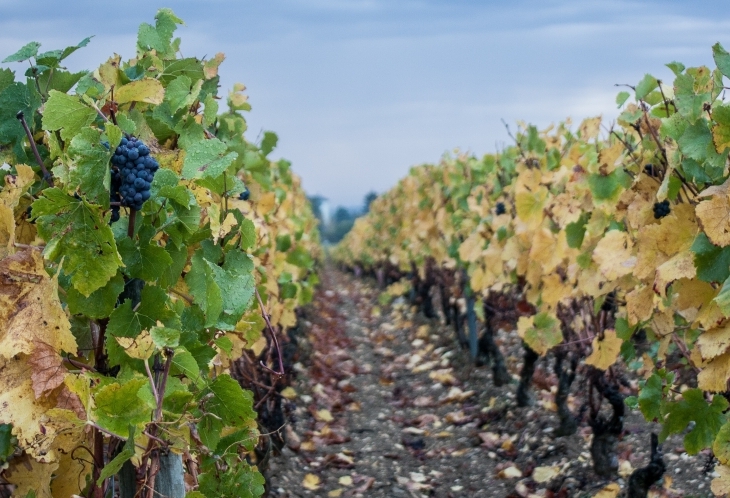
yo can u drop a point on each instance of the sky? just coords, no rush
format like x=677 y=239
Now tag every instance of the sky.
x=359 y=91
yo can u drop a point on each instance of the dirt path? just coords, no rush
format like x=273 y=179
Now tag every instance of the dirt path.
x=386 y=404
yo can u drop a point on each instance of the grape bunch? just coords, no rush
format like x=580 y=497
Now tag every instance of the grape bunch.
x=650 y=170
x=500 y=208
x=133 y=169
x=245 y=194
x=661 y=209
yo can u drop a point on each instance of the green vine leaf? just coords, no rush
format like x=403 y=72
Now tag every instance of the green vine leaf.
x=66 y=113
x=77 y=233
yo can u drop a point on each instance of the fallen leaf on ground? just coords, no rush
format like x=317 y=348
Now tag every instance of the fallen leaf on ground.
x=610 y=491
x=456 y=394
x=510 y=472
x=311 y=482
x=625 y=469
x=443 y=376
x=324 y=416
x=544 y=474
x=458 y=418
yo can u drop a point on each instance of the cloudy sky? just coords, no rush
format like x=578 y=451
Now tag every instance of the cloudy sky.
x=360 y=90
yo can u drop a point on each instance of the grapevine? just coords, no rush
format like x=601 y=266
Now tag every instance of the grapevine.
x=152 y=288
x=619 y=237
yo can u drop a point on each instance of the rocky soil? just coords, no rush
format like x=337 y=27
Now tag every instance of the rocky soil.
x=387 y=404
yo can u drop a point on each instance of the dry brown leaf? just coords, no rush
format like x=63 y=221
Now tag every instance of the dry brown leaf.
x=48 y=369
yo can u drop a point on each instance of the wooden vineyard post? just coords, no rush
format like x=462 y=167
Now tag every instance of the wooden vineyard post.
x=471 y=319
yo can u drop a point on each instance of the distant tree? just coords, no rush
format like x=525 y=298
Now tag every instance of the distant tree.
x=342 y=214
x=316 y=202
x=369 y=198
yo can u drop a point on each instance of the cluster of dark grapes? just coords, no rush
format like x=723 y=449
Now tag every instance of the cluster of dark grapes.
x=133 y=169
x=650 y=170
x=500 y=208
x=610 y=302
x=661 y=209
x=245 y=194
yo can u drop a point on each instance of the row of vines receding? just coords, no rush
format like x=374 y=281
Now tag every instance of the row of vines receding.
x=606 y=248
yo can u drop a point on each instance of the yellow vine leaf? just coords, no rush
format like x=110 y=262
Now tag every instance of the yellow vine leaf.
x=15 y=186
x=662 y=323
x=721 y=484
x=589 y=128
x=639 y=201
x=715 y=374
x=7 y=231
x=210 y=68
x=679 y=266
x=546 y=250
x=714 y=214
x=639 y=304
x=614 y=256
x=266 y=203
x=30 y=311
x=690 y=295
x=141 y=347
x=147 y=90
x=28 y=475
x=21 y=408
x=72 y=471
x=530 y=205
x=471 y=248
x=605 y=351
x=607 y=158
x=554 y=290
x=658 y=242
x=713 y=343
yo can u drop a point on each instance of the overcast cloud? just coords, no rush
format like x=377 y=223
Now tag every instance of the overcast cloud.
x=360 y=90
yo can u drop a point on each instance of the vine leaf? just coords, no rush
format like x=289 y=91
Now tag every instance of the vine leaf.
x=66 y=113
x=147 y=90
x=32 y=478
x=100 y=303
x=614 y=255
x=650 y=398
x=23 y=410
x=76 y=232
x=30 y=310
x=127 y=322
x=605 y=352
x=91 y=172
x=708 y=419
x=721 y=484
x=118 y=406
x=48 y=370
x=207 y=159
x=29 y=50
x=147 y=261
x=714 y=214
x=541 y=332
